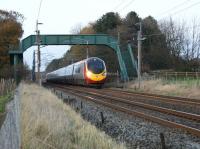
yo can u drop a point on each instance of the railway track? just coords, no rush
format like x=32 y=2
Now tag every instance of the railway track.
x=124 y=105
x=142 y=101
x=185 y=115
x=169 y=102
x=163 y=98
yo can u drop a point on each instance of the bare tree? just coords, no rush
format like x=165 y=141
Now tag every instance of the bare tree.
x=76 y=29
x=183 y=41
x=175 y=37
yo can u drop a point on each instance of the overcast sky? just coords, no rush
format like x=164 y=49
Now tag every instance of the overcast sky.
x=60 y=16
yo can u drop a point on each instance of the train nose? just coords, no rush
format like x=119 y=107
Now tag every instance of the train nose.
x=96 y=77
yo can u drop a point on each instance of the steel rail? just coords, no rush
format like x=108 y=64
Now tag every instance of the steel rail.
x=154 y=119
x=185 y=115
x=167 y=99
x=149 y=96
x=165 y=96
x=162 y=96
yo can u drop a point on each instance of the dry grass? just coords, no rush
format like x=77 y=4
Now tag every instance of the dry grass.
x=190 y=88
x=6 y=86
x=46 y=122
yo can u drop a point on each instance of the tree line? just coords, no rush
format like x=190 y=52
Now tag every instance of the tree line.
x=10 y=33
x=167 y=44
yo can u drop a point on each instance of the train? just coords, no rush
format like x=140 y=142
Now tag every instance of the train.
x=87 y=72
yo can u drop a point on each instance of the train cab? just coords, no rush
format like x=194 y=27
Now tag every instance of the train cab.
x=95 y=72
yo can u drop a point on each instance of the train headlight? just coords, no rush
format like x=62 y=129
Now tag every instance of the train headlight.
x=89 y=74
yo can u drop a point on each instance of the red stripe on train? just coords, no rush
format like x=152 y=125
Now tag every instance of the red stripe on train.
x=89 y=81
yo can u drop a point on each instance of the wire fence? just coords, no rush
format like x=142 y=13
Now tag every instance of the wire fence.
x=189 y=79
x=175 y=75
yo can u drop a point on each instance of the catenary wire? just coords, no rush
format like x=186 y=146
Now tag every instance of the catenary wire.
x=39 y=9
x=175 y=7
x=128 y=4
x=117 y=6
x=194 y=4
x=183 y=9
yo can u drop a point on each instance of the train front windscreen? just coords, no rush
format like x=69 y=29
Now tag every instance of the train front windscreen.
x=95 y=65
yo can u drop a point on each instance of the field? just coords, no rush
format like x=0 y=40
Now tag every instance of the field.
x=46 y=122
x=189 y=87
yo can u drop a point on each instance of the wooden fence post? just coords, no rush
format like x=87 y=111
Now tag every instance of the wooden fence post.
x=102 y=118
x=81 y=105
x=162 y=138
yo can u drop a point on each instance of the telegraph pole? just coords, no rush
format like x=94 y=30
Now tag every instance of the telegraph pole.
x=38 y=52
x=118 y=37
x=33 y=68
x=87 y=50
x=139 y=38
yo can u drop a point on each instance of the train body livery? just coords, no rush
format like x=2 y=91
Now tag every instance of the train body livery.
x=89 y=72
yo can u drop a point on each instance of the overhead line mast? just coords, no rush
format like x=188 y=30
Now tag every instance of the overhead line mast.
x=38 y=52
x=38 y=45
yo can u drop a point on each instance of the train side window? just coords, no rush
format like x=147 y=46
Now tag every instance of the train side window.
x=77 y=69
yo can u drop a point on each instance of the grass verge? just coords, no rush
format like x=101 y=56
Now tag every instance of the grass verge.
x=3 y=101
x=46 y=122
x=189 y=88
x=6 y=88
